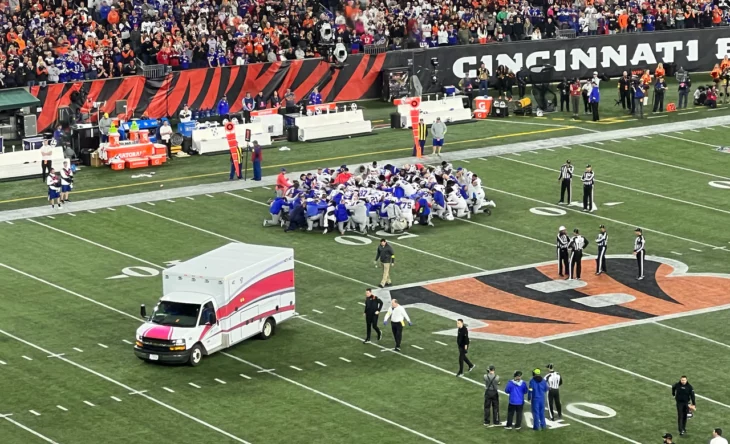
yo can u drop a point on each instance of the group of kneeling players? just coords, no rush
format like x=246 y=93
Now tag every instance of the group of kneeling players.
x=374 y=197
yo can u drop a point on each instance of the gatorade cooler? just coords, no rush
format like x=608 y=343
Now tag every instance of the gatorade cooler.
x=482 y=107
x=134 y=136
x=113 y=139
x=144 y=136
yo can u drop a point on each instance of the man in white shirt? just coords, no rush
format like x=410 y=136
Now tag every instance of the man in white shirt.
x=717 y=437
x=54 y=188
x=166 y=136
x=46 y=156
x=397 y=314
x=185 y=114
x=67 y=179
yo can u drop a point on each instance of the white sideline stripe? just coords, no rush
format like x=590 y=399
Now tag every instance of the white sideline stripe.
x=103 y=346
x=220 y=381
x=479 y=384
x=235 y=240
x=623 y=187
x=127 y=342
x=34 y=412
x=244 y=376
x=317 y=311
x=116 y=399
x=89 y=404
x=25 y=357
x=28 y=429
x=415 y=346
x=692 y=334
x=337 y=306
x=78 y=350
x=603 y=218
x=170 y=200
x=168 y=389
x=442 y=343
x=93 y=243
x=126 y=387
x=687 y=112
x=320 y=364
x=194 y=385
x=60 y=407
x=339 y=401
x=295 y=368
x=629 y=372
x=695 y=249
x=657 y=162
x=689 y=140
x=369 y=355
x=345 y=359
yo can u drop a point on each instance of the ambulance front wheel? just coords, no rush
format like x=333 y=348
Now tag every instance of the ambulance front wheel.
x=269 y=329
x=196 y=355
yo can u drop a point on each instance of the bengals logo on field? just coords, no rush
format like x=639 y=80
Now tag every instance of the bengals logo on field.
x=532 y=303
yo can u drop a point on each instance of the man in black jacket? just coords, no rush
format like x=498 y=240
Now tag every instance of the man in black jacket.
x=386 y=257
x=462 y=340
x=624 y=90
x=684 y=395
x=373 y=305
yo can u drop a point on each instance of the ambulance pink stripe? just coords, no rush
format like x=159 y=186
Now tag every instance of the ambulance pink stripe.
x=159 y=332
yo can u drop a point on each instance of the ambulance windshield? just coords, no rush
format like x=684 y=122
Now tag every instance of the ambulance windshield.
x=176 y=314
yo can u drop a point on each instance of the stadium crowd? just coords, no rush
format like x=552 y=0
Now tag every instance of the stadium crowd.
x=47 y=41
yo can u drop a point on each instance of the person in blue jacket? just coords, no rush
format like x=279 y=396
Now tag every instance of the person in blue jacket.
x=536 y=395
x=516 y=390
x=315 y=98
x=313 y=214
x=594 y=98
x=223 y=107
x=275 y=209
x=424 y=211
x=342 y=216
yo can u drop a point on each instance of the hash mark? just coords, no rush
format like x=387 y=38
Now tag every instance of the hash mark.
x=674 y=252
x=209 y=195
x=189 y=198
x=71 y=214
x=170 y=200
x=266 y=188
x=694 y=131
x=337 y=306
x=34 y=412
x=150 y=203
x=695 y=249
x=194 y=385
x=466 y=161
x=295 y=368
x=320 y=364
x=111 y=209
x=317 y=311
x=632 y=139
x=244 y=376
x=517 y=154
x=103 y=346
x=29 y=359
x=599 y=143
x=169 y=389
x=3 y=363
x=481 y=158
x=127 y=342
x=60 y=407
x=646 y=137
x=549 y=149
x=534 y=152
x=89 y=404
x=369 y=355
x=91 y=211
x=442 y=343
x=50 y=217
x=220 y=381
x=415 y=346
x=247 y=190
x=116 y=399
x=8 y=222
x=345 y=359
x=361 y=303
x=678 y=132
x=78 y=350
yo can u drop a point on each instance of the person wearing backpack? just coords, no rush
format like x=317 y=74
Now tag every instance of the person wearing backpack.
x=491 y=398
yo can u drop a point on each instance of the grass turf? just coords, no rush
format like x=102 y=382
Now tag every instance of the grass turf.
x=389 y=398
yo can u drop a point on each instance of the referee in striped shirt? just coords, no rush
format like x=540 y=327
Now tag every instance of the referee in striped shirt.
x=602 y=243
x=640 y=251
x=577 y=244
x=566 y=182
x=422 y=134
x=554 y=381
x=588 y=181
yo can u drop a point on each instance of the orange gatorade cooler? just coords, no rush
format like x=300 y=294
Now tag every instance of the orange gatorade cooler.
x=482 y=107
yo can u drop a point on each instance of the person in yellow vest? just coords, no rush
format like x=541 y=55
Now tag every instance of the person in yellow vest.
x=422 y=134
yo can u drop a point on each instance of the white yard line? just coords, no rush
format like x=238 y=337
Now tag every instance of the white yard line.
x=89 y=404
x=235 y=240
x=690 y=140
x=693 y=335
x=27 y=429
x=669 y=165
x=220 y=381
x=296 y=368
x=168 y=389
x=475 y=382
x=629 y=372
x=427 y=253
x=634 y=189
x=341 y=402
x=650 y=230
x=126 y=387
x=320 y=364
x=345 y=359
x=244 y=376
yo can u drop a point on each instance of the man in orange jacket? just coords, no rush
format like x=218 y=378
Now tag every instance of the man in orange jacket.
x=282 y=183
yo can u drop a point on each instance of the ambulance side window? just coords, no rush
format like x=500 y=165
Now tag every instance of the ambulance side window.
x=207 y=311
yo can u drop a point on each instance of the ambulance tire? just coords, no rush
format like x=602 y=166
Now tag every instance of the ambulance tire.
x=196 y=355
x=268 y=329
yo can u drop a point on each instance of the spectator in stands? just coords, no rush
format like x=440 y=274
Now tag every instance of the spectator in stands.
x=274 y=100
x=248 y=106
x=290 y=101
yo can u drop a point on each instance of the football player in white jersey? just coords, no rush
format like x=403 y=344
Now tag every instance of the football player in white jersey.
x=457 y=204
x=407 y=205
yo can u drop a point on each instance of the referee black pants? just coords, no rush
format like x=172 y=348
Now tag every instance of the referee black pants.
x=463 y=359
x=566 y=187
x=554 y=403
x=640 y=262
x=601 y=260
x=397 y=328
x=682 y=412
x=588 y=197
x=575 y=264
x=563 y=261
x=372 y=323
x=491 y=402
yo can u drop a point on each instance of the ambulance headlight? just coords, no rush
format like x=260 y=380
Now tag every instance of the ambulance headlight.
x=179 y=342
x=139 y=337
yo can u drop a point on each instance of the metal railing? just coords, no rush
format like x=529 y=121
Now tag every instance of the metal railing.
x=375 y=49
x=566 y=34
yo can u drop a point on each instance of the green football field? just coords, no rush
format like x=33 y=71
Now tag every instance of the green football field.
x=72 y=285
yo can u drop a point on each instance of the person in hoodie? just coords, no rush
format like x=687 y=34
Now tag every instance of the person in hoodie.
x=516 y=389
x=275 y=209
x=536 y=396
x=223 y=107
x=594 y=98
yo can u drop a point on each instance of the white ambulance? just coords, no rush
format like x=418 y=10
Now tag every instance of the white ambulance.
x=216 y=300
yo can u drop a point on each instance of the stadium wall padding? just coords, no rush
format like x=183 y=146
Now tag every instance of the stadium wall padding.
x=359 y=78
